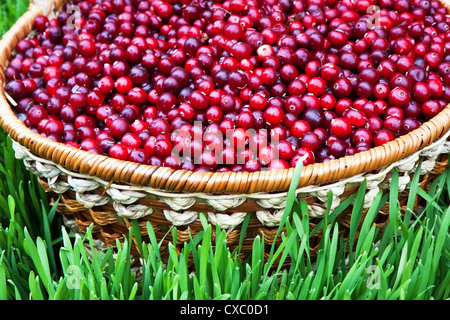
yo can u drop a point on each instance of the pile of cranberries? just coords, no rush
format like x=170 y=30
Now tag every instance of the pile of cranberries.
x=235 y=85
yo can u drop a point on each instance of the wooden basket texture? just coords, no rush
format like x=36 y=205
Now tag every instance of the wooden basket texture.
x=109 y=193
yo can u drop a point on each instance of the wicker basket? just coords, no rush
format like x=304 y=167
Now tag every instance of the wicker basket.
x=108 y=193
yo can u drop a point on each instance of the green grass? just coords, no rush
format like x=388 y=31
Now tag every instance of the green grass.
x=10 y=11
x=409 y=259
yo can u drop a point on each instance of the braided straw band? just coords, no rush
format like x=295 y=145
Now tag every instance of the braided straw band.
x=168 y=180
x=125 y=198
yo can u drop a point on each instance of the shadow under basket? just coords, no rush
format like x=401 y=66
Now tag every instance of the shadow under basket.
x=110 y=193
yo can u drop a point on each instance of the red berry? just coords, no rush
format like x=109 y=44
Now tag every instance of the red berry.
x=305 y=154
x=118 y=151
x=316 y=86
x=273 y=115
x=341 y=127
x=431 y=108
x=399 y=97
x=381 y=137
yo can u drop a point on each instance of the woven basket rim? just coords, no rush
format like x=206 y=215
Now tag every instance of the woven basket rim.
x=165 y=178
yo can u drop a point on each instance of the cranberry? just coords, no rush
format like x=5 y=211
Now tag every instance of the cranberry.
x=357 y=118
x=314 y=117
x=303 y=153
x=16 y=89
x=342 y=88
x=245 y=120
x=341 y=127
x=382 y=136
x=329 y=72
x=311 y=141
x=273 y=115
x=159 y=126
x=41 y=23
x=278 y=164
x=265 y=51
x=199 y=100
x=431 y=108
x=138 y=155
x=241 y=51
x=316 y=86
x=119 y=127
x=257 y=102
x=35 y=114
x=130 y=140
x=337 y=148
x=285 y=150
x=399 y=97
x=362 y=135
x=409 y=124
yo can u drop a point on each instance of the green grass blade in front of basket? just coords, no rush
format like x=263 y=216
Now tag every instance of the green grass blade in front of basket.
x=338 y=210
x=356 y=218
x=288 y=246
x=367 y=233
x=243 y=231
x=38 y=253
x=203 y=250
x=183 y=271
x=325 y=260
x=153 y=247
x=354 y=277
x=436 y=188
x=220 y=251
x=256 y=266
x=290 y=200
x=282 y=290
x=416 y=266
x=390 y=229
x=447 y=186
x=298 y=265
x=413 y=190
x=47 y=219
x=431 y=201
x=264 y=287
x=332 y=254
x=403 y=267
x=442 y=248
x=35 y=287
x=235 y=273
x=443 y=289
x=137 y=234
x=3 y=283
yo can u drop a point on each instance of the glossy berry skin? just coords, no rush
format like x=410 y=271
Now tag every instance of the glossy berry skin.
x=273 y=115
x=383 y=136
x=278 y=164
x=118 y=152
x=305 y=155
x=316 y=86
x=341 y=127
x=119 y=128
x=431 y=108
x=36 y=113
x=311 y=141
x=399 y=97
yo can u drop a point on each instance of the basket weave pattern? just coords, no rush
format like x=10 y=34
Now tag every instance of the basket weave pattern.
x=108 y=192
x=110 y=206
